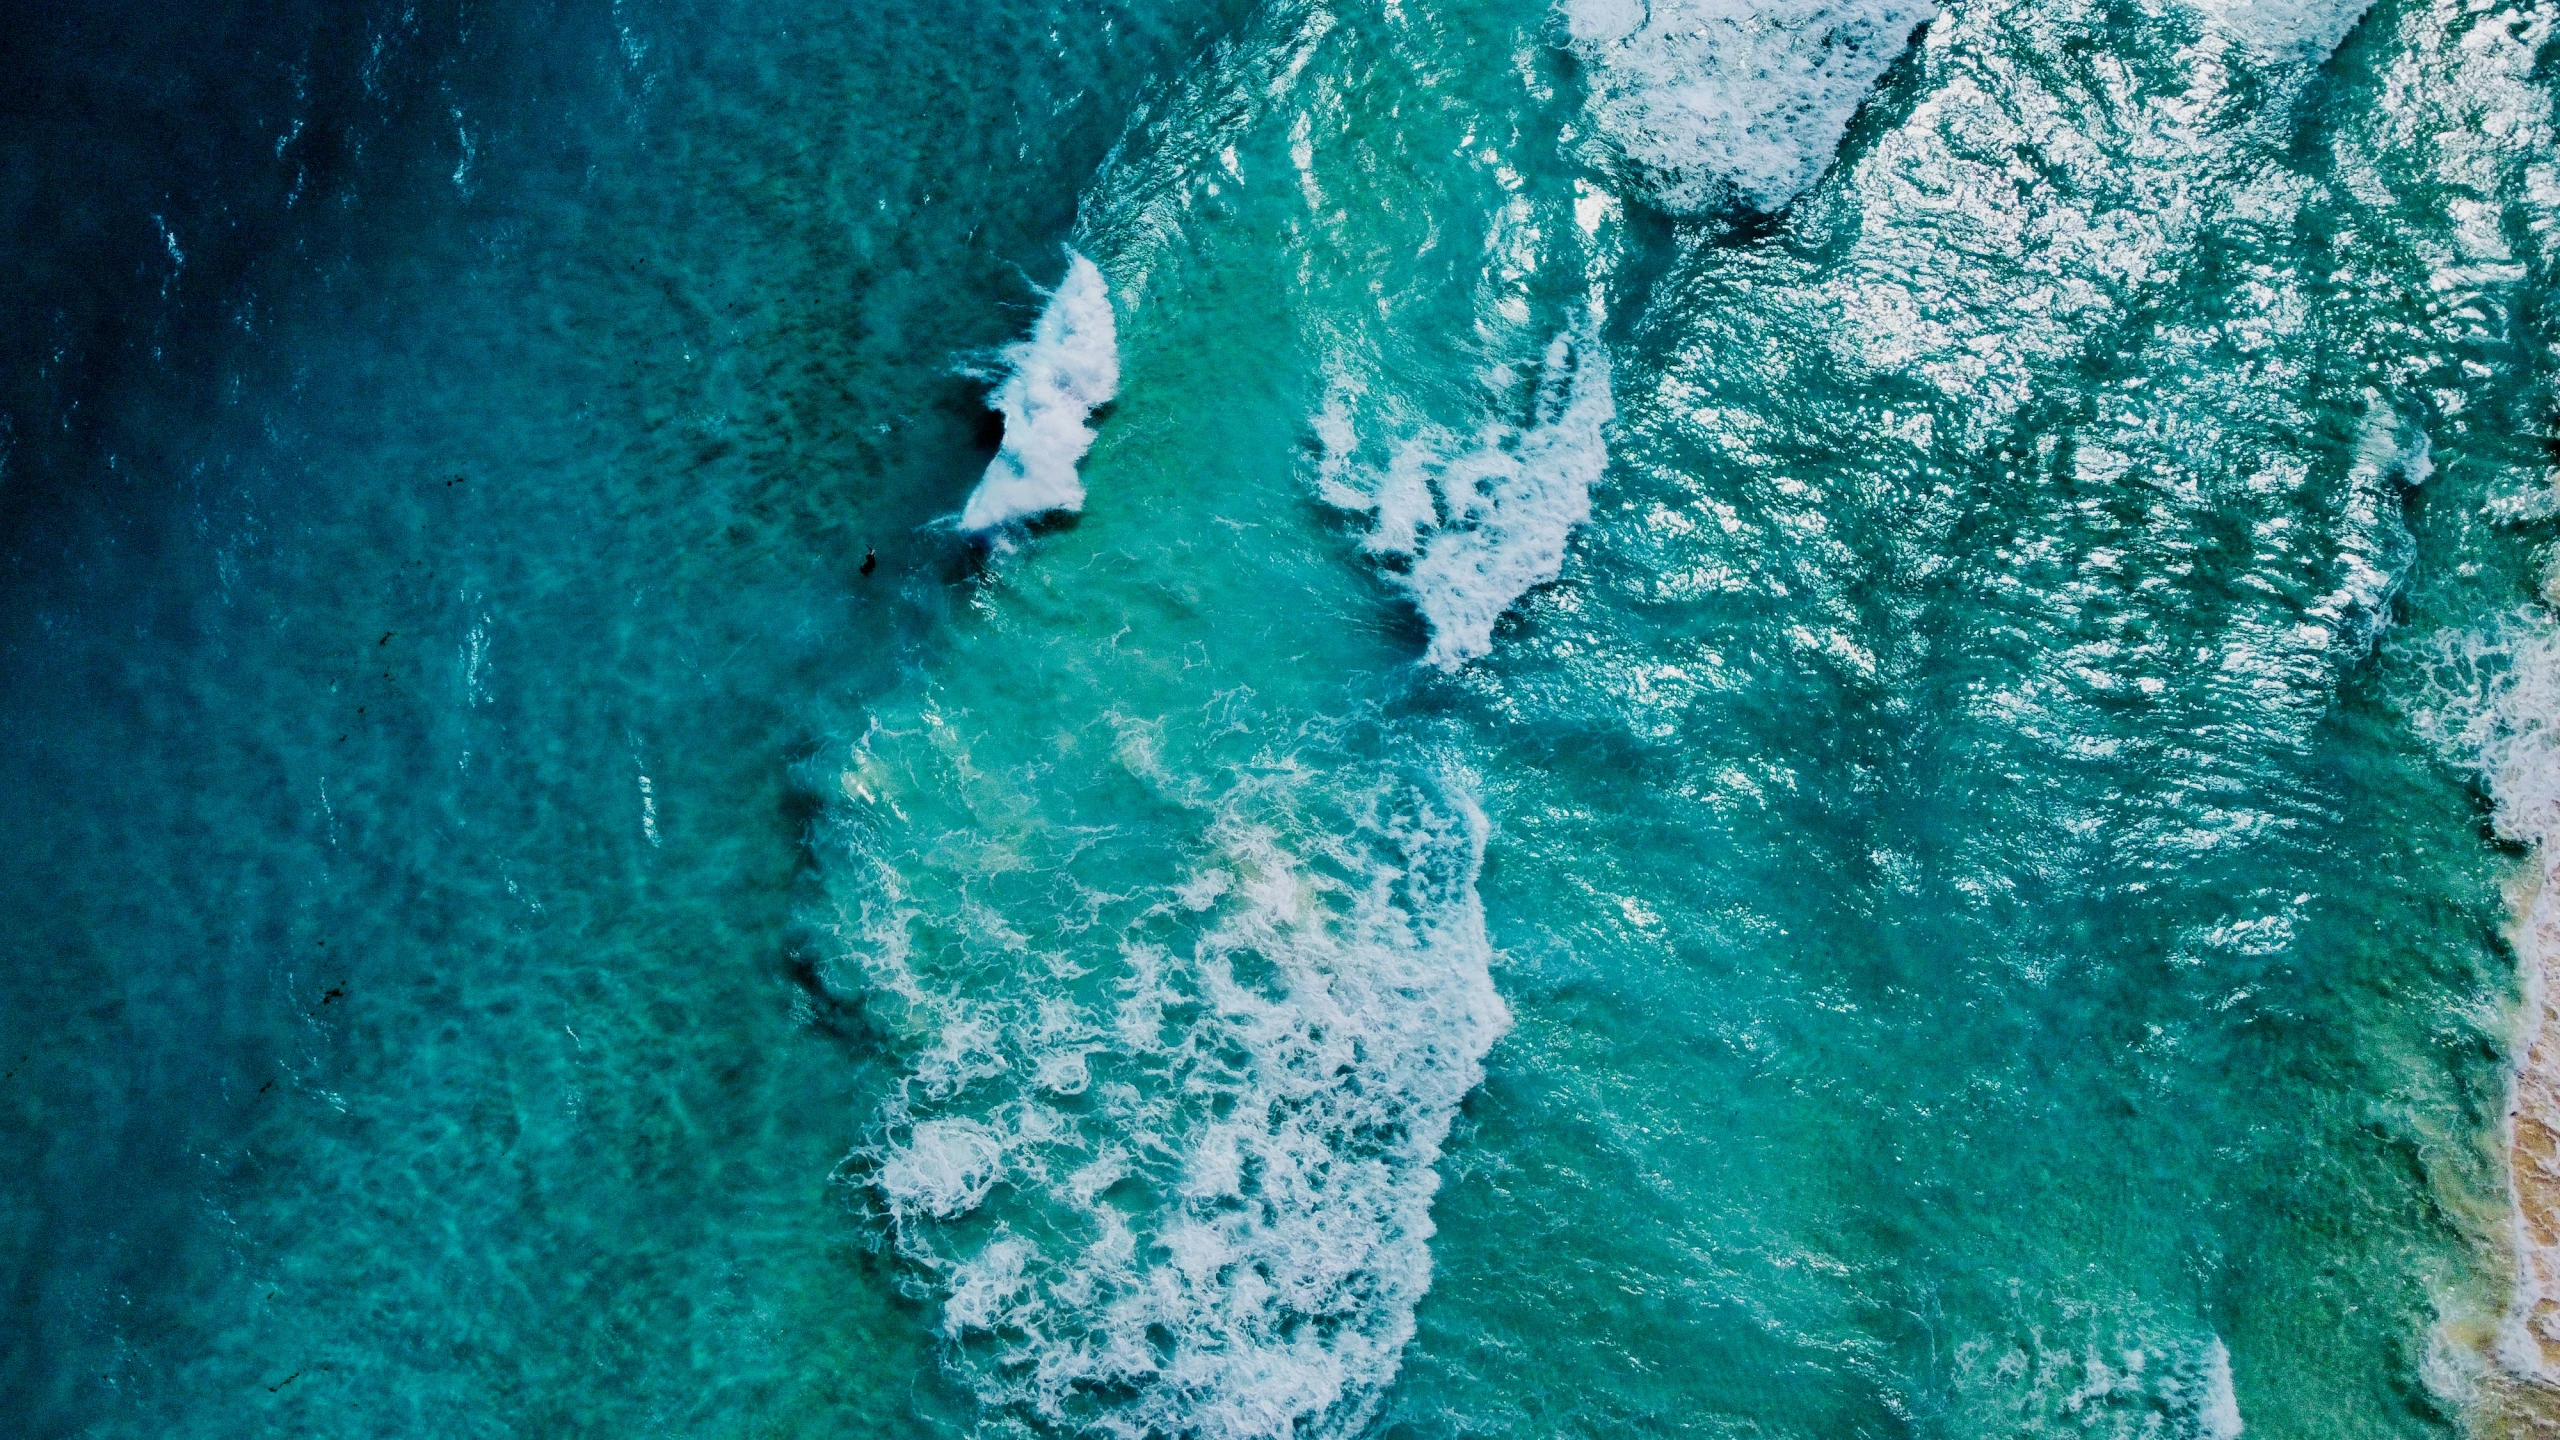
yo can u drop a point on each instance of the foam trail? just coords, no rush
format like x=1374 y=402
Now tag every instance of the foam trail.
x=1485 y=523
x=1706 y=103
x=1053 y=380
x=2219 y=1412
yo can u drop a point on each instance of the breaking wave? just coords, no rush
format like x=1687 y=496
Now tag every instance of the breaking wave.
x=1052 y=383
x=2124 y=1371
x=1165 y=1145
x=1480 y=520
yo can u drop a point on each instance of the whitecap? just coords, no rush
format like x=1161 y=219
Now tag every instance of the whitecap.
x=2117 y=1368
x=2218 y=1408
x=1053 y=381
x=2285 y=30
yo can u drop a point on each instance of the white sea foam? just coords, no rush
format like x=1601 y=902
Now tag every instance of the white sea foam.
x=2467 y=103
x=1709 y=102
x=1217 y=1225
x=942 y=1169
x=1052 y=382
x=1483 y=520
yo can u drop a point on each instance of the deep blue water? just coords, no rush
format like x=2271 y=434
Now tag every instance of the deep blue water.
x=320 y=772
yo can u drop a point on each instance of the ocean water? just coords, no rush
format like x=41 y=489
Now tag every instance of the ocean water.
x=1277 y=719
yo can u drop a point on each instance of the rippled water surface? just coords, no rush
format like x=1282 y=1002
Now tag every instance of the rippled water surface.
x=1800 y=720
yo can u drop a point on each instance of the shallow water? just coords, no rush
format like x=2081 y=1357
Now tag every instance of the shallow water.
x=1614 y=813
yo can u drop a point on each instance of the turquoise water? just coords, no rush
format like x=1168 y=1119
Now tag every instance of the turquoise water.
x=1756 y=723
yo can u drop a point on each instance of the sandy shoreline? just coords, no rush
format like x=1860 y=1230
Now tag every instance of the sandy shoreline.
x=2529 y=1338
x=2519 y=1395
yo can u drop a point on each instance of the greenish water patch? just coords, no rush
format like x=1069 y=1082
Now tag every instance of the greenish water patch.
x=1818 y=823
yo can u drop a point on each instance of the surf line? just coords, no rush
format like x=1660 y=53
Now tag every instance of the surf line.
x=2498 y=711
